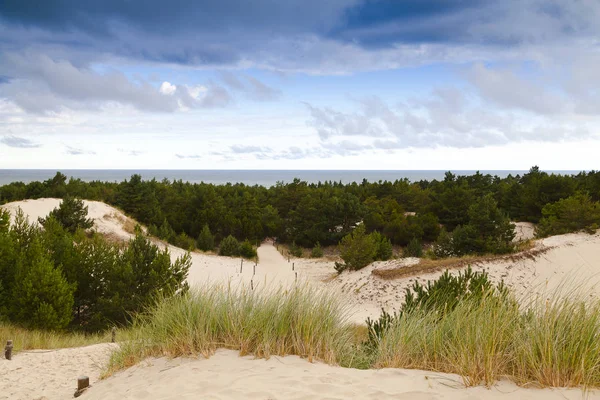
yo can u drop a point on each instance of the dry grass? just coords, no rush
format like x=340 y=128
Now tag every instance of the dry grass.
x=26 y=339
x=427 y=265
x=298 y=321
x=551 y=341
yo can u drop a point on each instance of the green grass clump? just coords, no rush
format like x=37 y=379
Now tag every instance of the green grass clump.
x=28 y=339
x=298 y=321
x=548 y=341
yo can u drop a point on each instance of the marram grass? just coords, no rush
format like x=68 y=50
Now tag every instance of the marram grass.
x=552 y=341
x=299 y=321
x=27 y=339
x=547 y=341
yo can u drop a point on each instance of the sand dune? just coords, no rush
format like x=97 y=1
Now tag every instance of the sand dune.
x=572 y=257
x=227 y=376
x=50 y=374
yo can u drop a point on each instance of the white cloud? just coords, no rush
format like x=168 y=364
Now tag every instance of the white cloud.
x=167 y=88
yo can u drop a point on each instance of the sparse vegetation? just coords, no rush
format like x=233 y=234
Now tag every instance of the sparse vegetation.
x=317 y=251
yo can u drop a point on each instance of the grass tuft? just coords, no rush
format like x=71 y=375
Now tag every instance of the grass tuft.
x=26 y=339
x=299 y=321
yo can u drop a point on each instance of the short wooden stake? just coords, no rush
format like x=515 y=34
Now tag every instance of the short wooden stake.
x=251 y=284
x=292 y=266
x=241 y=265
x=254 y=270
x=83 y=382
x=8 y=350
x=113 y=334
x=296 y=276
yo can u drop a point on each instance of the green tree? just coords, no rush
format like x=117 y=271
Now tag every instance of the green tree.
x=572 y=214
x=71 y=214
x=206 y=240
x=42 y=297
x=357 y=249
x=384 y=247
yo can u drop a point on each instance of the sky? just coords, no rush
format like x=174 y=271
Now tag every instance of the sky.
x=300 y=84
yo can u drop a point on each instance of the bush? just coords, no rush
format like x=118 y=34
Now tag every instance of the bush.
x=247 y=250
x=185 y=242
x=358 y=249
x=206 y=240
x=384 y=250
x=488 y=231
x=572 y=214
x=439 y=297
x=229 y=247
x=413 y=249
x=296 y=250
x=317 y=251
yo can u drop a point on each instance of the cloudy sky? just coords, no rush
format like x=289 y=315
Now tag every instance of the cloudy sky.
x=300 y=84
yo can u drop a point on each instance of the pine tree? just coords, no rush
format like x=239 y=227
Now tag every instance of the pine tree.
x=41 y=297
x=71 y=214
x=206 y=240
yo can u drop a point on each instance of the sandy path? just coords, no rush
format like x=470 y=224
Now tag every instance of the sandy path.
x=228 y=376
x=50 y=374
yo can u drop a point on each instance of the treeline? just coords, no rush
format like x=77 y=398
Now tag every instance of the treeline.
x=58 y=276
x=307 y=214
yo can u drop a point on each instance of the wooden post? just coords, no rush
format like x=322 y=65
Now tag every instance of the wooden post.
x=83 y=382
x=8 y=349
x=293 y=266
x=296 y=276
x=254 y=270
x=241 y=265
x=113 y=334
x=251 y=284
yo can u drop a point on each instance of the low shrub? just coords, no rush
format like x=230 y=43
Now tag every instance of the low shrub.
x=229 y=247
x=317 y=251
x=295 y=250
x=413 y=249
x=247 y=250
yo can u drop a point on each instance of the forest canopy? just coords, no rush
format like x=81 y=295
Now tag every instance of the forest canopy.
x=189 y=214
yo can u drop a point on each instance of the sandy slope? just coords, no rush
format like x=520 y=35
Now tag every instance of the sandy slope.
x=107 y=220
x=574 y=257
x=227 y=376
x=50 y=373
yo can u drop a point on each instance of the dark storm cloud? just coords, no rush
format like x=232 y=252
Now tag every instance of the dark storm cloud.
x=224 y=32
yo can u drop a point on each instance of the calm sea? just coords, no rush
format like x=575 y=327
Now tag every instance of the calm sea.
x=249 y=177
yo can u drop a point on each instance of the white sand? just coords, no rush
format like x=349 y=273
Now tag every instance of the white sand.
x=227 y=376
x=50 y=373
x=107 y=219
x=574 y=257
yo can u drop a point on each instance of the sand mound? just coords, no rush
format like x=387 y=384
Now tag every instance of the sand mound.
x=227 y=376
x=50 y=373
